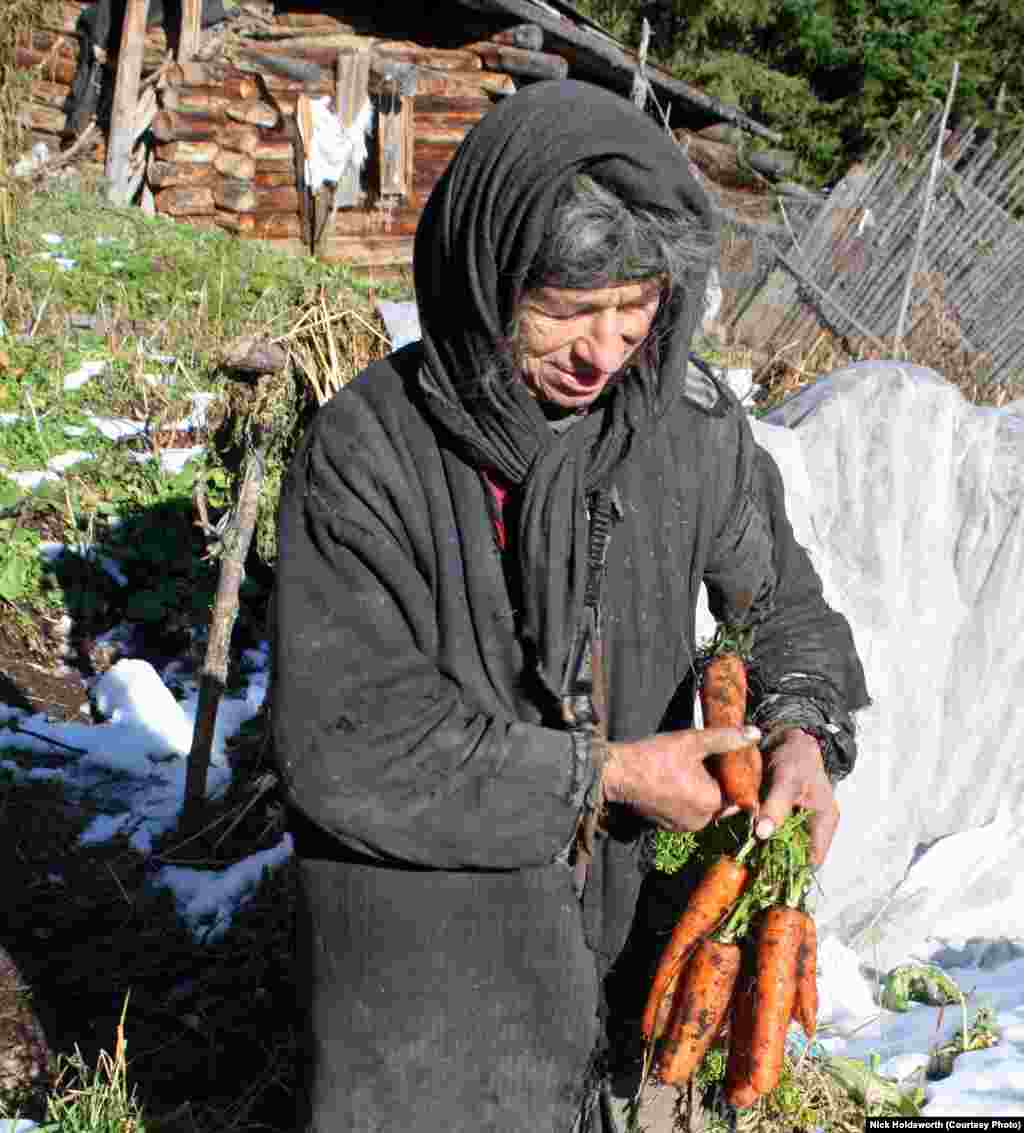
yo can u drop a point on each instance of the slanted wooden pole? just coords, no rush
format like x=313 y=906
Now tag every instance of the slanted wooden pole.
x=188 y=39
x=126 y=98
x=214 y=677
x=929 y=192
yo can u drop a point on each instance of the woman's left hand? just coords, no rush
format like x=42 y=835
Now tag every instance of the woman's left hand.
x=797 y=778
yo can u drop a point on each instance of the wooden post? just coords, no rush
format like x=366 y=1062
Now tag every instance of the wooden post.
x=395 y=137
x=188 y=38
x=933 y=174
x=351 y=93
x=126 y=96
x=222 y=621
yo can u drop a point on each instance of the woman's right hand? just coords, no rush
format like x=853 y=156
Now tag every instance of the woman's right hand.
x=663 y=777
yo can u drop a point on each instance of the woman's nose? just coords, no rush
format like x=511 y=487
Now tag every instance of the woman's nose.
x=602 y=347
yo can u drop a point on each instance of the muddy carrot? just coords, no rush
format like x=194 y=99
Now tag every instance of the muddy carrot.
x=738 y=1089
x=805 y=1007
x=709 y=903
x=723 y=702
x=778 y=943
x=701 y=1003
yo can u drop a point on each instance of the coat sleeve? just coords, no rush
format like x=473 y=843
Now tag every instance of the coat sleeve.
x=376 y=746
x=805 y=670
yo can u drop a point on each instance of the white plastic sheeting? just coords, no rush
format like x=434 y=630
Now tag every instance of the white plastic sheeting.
x=910 y=502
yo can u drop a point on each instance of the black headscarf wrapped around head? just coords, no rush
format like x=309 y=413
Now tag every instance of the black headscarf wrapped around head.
x=480 y=232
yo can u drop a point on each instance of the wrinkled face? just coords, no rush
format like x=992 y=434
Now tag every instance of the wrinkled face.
x=573 y=343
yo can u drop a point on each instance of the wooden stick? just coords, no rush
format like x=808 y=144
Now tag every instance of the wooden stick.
x=126 y=96
x=926 y=207
x=524 y=64
x=214 y=677
x=188 y=38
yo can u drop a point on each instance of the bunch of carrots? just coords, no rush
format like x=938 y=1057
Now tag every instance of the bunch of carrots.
x=742 y=958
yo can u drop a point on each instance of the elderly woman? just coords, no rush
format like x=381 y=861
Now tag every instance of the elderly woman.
x=491 y=545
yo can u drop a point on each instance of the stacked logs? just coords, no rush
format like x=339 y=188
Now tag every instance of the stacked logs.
x=49 y=51
x=227 y=151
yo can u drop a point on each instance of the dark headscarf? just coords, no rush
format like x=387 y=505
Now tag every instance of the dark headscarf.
x=479 y=234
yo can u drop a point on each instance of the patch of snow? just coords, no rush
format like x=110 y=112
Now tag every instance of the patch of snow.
x=31 y=479
x=67 y=460
x=207 y=899
x=86 y=372
x=64 y=263
x=172 y=460
x=52 y=238
x=117 y=428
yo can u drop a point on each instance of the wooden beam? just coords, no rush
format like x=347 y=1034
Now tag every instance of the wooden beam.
x=188 y=37
x=602 y=58
x=126 y=97
x=520 y=62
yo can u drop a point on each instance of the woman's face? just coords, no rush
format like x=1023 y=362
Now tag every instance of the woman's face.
x=572 y=343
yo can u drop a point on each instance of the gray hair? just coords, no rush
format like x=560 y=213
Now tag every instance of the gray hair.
x=595 y=240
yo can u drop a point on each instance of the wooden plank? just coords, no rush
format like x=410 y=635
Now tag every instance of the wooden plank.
x=469 y=107
x=188 y=36
x=264 y=180
x=519 y=63
x=163 y=174
x=358 y=251
x=440 y=130
x=52 y=68
x=352 y=91
x=185 y=201
x=401 y=221
x=286 y=166
x=242 y=196
x=236 y=166
x=189 y=78
x=50 y=94
x=234 y=221
x=530 y=37
x=273 y=151
x=195 y=100
x=457 y=59
x=48 y=43
x=368 y=251
x=395 y=145
x=239 y=138
x=309 y=20
x=254 y=112
x=170 y=126
x=47 y=119
x=126 y=97
x=456 y=83
x=277 y=226
x=187 y=153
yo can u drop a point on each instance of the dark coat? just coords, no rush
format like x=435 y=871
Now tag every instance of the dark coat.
x=455 y=977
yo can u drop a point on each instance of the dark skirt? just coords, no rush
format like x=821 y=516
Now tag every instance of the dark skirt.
x=444 y=1002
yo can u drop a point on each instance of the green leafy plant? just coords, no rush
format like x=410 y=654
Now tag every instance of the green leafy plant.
x=20 y=569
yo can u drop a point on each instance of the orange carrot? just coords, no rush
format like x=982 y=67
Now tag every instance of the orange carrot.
x=723 y=703
x=778 y=944
x=710 y=901
x=738 y=1089
x=805 y=1007
x=701 y=1003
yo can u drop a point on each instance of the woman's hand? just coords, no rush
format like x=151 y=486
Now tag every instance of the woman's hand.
x=796 y=775
x=664 y=779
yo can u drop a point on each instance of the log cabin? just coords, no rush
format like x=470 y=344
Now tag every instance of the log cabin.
x=213 y=125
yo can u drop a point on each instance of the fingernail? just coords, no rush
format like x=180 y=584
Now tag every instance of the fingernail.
x=765 y=828
x=751 y=734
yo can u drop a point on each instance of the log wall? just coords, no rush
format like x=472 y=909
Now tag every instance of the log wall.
x=224 y=151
